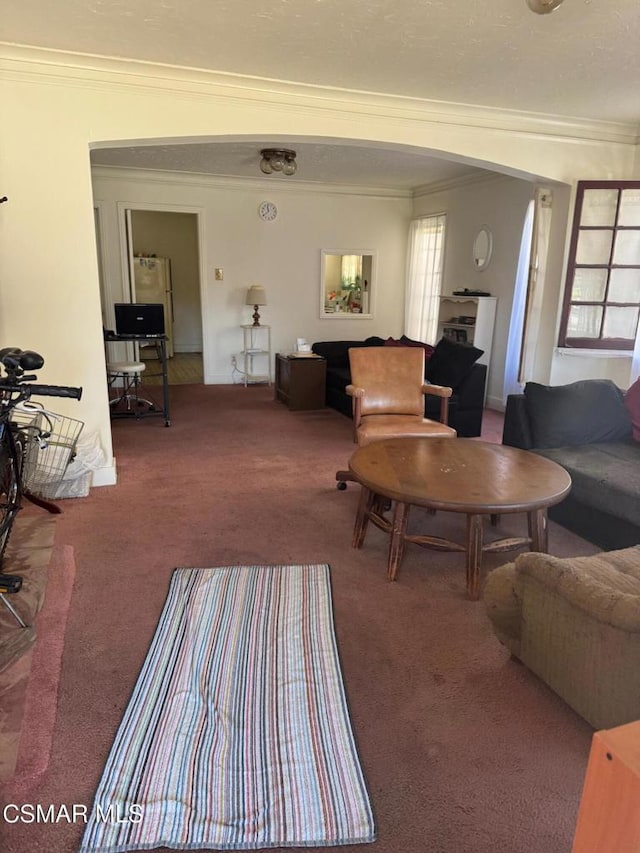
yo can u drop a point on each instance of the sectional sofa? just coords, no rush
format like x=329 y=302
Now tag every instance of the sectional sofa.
x=447 y=363
x=592 y=429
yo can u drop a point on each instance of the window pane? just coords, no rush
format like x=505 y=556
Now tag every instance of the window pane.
x=627 y=249
x=599 y=207
x=594 y=247
x=601 y=302
x=624 y=285
x=588 y=285
x=629 y=208
x=584 y=321
x=620 y=323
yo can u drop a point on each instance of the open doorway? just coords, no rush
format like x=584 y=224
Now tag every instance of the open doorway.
x=171 y=239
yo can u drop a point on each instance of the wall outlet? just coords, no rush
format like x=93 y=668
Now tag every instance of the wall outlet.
x=234 y=362
x=219 y=273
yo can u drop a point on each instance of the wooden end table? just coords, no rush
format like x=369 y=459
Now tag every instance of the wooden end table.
x=454 y=475
x=300 y=381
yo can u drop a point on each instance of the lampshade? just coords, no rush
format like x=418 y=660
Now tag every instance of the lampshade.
x=256 y=295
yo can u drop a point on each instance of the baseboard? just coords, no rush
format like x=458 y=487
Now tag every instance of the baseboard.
x=106 y=475
x=494 y=403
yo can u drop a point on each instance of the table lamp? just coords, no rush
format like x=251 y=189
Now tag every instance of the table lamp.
x=256 y=296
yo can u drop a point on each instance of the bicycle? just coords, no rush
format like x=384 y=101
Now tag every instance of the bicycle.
x=16 y=389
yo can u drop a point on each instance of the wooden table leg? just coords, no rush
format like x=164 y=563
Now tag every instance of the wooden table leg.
x=474 y=555
x=365 y=503
x=538 y=530
x=398 y=530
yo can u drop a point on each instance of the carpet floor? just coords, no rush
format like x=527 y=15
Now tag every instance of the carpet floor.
x=463 y=750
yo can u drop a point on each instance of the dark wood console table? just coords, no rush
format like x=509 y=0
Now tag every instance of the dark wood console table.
x=300 y=381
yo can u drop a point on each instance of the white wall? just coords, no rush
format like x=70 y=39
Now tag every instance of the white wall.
x=568 y=366
x=283 y=255
x=55 y=106
x=501 y=204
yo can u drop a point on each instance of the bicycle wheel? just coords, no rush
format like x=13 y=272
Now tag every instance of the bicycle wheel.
x=11 y=450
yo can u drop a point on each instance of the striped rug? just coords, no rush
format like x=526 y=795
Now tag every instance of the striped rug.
x=237 y=735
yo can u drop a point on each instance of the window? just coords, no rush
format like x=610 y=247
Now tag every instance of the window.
x=602 y=293
x=424 y=277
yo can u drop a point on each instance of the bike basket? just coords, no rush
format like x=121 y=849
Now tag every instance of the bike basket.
x=49 y=446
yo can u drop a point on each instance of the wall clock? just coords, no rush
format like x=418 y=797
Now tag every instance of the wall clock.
x=267 y=211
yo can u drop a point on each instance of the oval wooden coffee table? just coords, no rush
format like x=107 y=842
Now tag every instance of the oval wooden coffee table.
x=454 y=475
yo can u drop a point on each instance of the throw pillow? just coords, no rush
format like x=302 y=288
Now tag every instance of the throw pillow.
x=428 y=349
x=632 y=405
x=451 y=362
x=392 y=342
x=583 y=412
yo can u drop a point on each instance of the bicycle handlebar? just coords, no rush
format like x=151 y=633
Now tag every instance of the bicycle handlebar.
x=16 y=361
x=33 y=390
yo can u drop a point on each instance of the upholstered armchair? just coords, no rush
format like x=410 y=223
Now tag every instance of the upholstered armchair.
x=387 y=391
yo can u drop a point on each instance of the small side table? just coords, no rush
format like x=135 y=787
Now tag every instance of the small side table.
x=257 y=345
x=300 y=381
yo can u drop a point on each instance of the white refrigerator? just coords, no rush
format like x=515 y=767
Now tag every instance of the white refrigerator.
x=152 y=283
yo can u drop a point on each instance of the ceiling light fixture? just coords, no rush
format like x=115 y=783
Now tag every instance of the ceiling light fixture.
x=278 y=160
x=543 y=7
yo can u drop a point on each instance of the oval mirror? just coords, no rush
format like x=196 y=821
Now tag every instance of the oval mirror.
x=482 y=247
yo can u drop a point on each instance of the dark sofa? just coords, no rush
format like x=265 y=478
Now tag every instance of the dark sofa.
x=448 y=363
x=587 y=428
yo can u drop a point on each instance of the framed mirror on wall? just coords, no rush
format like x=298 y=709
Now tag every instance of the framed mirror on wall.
x=347 y=283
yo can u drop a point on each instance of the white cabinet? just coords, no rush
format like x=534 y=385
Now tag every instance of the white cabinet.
x=470 y=320
x=256 y=353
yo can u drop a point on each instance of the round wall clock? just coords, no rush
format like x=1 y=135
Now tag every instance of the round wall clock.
x=267 y=211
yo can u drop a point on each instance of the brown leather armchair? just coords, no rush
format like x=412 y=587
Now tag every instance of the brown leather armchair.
x=387 y=391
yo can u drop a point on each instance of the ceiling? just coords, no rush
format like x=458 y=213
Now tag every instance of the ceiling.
x=323 y=162
x=582 y=61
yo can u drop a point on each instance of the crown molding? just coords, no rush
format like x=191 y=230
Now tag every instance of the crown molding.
x=461 y=181
x=197 y=179
x=23 y=62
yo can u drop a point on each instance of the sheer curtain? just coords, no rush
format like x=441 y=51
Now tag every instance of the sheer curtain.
x=635 y=362
x=516 y=326
x=424 y=277
x=351 y=268
x=537 y=279
x=526 y=310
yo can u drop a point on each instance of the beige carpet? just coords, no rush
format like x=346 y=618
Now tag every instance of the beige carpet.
x=463 y=750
